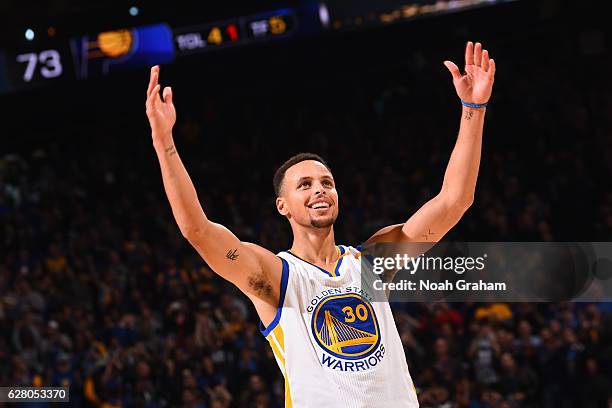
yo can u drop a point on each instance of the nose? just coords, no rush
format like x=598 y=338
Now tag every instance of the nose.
x=318 y=189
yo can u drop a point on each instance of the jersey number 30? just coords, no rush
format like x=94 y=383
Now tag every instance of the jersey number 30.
x=360 y=311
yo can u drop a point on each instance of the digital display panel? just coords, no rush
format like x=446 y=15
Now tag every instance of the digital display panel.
x=207 y=37
x=29 y=67
x=132 y=48
x=122 y=49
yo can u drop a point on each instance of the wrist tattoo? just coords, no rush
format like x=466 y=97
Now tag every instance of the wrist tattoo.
x=468 y=114
x=170 y=150
x=232 y=254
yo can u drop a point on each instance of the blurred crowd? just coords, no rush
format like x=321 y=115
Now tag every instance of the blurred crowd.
x=99 y=291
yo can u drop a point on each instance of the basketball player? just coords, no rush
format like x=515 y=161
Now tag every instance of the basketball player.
x=334 y=346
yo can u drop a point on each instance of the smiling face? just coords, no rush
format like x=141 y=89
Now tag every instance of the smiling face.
x=308 y=195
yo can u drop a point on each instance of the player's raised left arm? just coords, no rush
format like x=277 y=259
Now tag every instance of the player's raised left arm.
x=436 y=217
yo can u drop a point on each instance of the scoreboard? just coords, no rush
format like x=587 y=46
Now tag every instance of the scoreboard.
x=227 y=33
x=111 y=51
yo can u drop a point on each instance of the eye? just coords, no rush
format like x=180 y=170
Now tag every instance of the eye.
x=327 y=183
x=304 y=184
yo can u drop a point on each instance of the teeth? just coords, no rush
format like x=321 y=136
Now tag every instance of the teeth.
x=321 y=205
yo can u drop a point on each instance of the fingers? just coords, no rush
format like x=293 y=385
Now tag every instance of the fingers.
x=153 y=79
x=469 y=53
x=167 y=95
x=475 y=55
x=154 y=99
x=485 y=60
x=454 y=69
x=491 y=70
x=478 y=54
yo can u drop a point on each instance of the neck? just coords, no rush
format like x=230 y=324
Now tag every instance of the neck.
x=315 y=245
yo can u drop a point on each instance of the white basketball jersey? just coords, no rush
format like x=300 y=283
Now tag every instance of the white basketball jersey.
x=334 y=346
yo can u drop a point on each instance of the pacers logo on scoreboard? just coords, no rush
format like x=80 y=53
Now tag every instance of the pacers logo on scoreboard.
x=346 y=328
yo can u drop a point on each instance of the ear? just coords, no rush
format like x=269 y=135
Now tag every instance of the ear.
x=281 y=206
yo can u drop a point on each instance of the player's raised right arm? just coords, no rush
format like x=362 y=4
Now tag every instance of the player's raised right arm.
x=254 y=270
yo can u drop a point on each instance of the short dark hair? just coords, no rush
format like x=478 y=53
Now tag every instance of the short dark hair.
x=279 y=175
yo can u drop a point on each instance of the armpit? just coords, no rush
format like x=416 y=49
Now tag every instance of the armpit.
x=260 y=284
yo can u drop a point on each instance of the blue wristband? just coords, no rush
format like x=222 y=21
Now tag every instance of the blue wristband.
x=474 y=105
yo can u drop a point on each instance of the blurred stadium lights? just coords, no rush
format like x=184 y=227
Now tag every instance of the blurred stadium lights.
x=323 y=15
x=29 y=34
x=351 y=14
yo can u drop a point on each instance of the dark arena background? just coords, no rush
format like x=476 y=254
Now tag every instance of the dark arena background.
x=101 y=293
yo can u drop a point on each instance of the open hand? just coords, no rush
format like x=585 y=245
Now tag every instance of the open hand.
x=161 y=114
x=476 y=85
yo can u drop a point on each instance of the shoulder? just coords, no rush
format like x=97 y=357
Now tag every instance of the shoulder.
x=264 y=255
x=351 y=251
x=272 y=266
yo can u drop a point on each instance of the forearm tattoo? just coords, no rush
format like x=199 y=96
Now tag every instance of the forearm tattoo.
x=426 y=236
x=468 y=115
x=232 y=254
x=171 y=150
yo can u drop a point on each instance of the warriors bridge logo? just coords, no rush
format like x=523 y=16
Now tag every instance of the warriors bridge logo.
x=346 y=328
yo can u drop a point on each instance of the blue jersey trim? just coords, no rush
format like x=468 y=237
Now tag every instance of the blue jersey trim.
x=339 y=260
x=281 y=300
